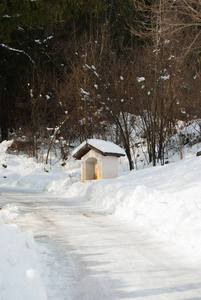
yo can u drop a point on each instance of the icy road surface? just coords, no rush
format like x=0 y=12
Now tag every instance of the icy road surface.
x=86 y=255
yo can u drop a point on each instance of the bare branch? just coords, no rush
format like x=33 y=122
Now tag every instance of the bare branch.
x=19 y=51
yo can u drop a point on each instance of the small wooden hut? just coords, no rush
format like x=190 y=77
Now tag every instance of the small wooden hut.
x=99 y=159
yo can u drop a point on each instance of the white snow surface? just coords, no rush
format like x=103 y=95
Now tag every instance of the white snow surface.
x=19 y=267
x=104 y=146
x=140 y=79
x=136 y=236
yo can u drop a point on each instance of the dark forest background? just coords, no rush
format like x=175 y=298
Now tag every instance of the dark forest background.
x=74 y=70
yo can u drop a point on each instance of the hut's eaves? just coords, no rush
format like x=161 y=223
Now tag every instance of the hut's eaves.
x=103 y=147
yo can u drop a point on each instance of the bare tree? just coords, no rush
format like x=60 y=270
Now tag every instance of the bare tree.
x=169 y=30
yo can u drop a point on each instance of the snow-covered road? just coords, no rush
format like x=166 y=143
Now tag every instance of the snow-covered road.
x=87 y=255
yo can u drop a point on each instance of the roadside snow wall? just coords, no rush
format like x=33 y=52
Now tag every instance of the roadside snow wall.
x=19 y=275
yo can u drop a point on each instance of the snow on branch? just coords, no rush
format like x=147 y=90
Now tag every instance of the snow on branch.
x=19 y=51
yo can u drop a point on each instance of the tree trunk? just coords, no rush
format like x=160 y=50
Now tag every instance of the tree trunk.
x=125 y=142
x=4 y=119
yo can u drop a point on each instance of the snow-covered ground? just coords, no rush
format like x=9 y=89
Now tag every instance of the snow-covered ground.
x=137 y=236
x=19 y=267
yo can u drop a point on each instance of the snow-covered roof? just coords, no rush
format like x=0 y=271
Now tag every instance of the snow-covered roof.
x=100 y=146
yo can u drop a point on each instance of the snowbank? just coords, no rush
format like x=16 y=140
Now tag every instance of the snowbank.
x=19 y=269
x=164 y=201
x=18 y=172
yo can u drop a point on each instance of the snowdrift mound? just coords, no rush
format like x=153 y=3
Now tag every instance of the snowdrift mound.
x=164 y=201
x=19 y=172
x=19 y=269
